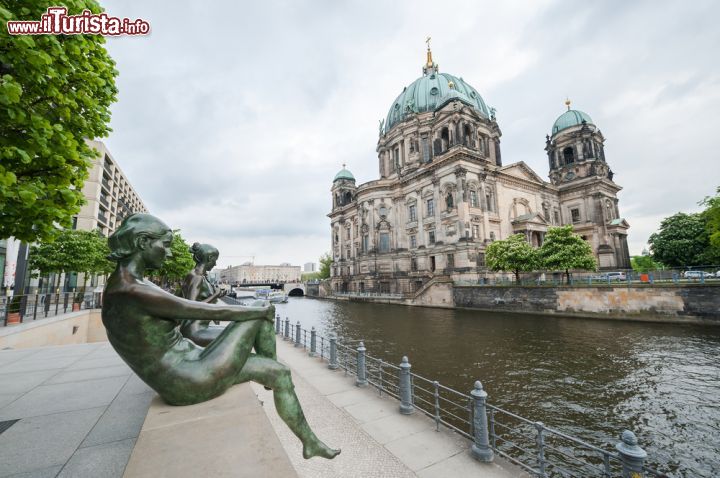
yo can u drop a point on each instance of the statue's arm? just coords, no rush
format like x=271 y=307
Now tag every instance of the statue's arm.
x=159 y=303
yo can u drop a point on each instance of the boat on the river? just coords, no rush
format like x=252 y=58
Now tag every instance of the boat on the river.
x=274 y=296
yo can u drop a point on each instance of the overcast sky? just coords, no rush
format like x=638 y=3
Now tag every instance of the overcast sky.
x=231 y=122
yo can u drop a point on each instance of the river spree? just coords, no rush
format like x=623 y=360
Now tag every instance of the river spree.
x=589 y=378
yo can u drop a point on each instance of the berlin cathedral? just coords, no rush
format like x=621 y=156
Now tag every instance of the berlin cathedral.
x=444 y=194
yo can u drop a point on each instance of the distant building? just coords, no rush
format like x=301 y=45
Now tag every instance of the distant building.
x=309 y=267
x=110 y=196
x=444 y=194
x=249 y=273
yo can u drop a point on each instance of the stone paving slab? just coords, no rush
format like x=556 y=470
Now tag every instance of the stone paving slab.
x=64 y=397
x=108 y=459
x=80 y=409
x=44 y=441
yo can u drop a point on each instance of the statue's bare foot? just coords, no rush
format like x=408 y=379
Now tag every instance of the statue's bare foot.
x=319 y=449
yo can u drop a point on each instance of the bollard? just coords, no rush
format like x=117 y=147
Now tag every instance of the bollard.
x=631 y=455
x=278 y=324
x=540 y=442
x=361 y=380
x=297 y=334
x=333 y=365
x=481 y=446
x=287 y=329
x=312 y=342
x=405 y=386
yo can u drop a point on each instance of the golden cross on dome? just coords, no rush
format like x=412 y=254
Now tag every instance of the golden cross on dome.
x=567 y=103
x=428 y=42
x=343 y=165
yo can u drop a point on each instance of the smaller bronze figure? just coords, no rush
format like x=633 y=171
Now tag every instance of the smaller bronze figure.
x=143 y=326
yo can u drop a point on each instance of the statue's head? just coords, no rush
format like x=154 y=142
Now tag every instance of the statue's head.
x=141 y=235
x=205 y=254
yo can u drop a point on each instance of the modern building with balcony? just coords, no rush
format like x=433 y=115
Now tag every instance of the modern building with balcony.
x=108 y=194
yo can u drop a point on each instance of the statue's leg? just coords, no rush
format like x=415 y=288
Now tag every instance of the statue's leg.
x=265 y=341
x=277 y=376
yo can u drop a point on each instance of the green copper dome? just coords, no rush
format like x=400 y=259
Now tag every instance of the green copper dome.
x=570 y=118
x=430 y=92
x=344 y=174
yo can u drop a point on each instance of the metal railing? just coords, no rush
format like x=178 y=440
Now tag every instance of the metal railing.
x=376 y=295
x=538 y=449
x=22 y=308
x=628 y=278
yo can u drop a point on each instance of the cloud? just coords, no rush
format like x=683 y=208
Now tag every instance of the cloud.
x=233 y=120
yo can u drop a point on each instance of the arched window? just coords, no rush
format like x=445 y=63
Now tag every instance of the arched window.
x=445 y=138
x=568 y=155
x=468 y=136
x=474 y=198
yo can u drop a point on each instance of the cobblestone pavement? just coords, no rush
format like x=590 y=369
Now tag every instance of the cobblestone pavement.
x=376 y=440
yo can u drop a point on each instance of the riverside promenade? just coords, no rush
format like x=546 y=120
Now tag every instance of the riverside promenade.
x=79 y=411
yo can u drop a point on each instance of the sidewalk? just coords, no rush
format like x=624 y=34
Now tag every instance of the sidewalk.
x=376 y=440
x=68 y=411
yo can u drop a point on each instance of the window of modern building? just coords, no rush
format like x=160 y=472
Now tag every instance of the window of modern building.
x=575 y=213
x=384 y=242
x=431 y=237
x=413 y=241
x=430 y=207
x=412 y=212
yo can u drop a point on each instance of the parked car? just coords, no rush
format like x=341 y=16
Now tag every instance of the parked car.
x=612 y=276
x=697 y=275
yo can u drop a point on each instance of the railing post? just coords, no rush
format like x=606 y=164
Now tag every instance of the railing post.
x=361 y=380
x=406 y=401
x=631 y=455
x=297 y=334
x=36 y=306
x=278 y=324
x=481 y=446
x=333 y=365
x=287 y=328
x=312 y=342
x=540 y=440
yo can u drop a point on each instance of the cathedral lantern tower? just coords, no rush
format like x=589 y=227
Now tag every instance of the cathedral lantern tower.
x=344 y=201
x=588 y=194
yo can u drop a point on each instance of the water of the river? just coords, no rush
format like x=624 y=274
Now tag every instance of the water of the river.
x=589 y=378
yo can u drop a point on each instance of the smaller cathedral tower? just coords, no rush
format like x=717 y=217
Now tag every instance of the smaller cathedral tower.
x=588 y=194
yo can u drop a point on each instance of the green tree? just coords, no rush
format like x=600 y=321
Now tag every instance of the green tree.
x=325 y=263
x=308 y=276
x=70 y=251
x=513 y=254
x=175 y=268
x=562 y=249
x=711 y=214
x=55 y=92
x=682 y=241
x=644 y=264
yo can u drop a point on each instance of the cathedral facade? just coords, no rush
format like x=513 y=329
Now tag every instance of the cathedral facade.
x=444 y=194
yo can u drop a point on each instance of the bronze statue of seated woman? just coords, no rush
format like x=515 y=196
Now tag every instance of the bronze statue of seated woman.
x=143 y=326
